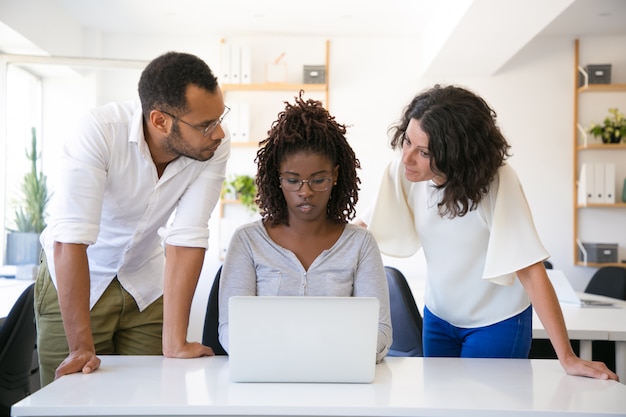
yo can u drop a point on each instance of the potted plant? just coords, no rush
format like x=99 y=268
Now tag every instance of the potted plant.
x=242 y=188
x=612 y=129
x=23 y=241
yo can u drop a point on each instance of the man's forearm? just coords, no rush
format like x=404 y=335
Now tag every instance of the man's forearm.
x=73 y=287
x=182 y=271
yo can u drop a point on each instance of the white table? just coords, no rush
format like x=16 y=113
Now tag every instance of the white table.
x=594 y=323
x=157 y=386
x=10 y=291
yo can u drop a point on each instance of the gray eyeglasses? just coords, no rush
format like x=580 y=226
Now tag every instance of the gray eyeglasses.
x=294 y=184
x=204 y=131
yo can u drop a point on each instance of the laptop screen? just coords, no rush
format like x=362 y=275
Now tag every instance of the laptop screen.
x=303 y=339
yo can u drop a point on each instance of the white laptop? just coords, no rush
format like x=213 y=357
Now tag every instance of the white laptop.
x=302 y=339
x=566 y=293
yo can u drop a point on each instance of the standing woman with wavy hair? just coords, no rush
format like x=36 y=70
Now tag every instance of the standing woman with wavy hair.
x=452 y=193
x=303 y=244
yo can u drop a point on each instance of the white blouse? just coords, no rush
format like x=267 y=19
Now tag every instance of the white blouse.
x=471 y=260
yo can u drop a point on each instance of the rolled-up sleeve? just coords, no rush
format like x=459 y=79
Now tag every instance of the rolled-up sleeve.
x=79 y=190
x=191 y=220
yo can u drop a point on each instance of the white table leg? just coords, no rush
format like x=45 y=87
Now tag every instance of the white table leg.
x=585 y=349
x=620 y=360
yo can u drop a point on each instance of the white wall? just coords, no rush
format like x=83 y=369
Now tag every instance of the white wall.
x=372 y=79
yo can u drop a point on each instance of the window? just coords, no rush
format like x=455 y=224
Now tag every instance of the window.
x=23 y=112
x=50 y=96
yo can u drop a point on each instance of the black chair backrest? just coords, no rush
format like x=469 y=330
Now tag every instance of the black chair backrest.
x=405 y=317
x=211 y=319
x=609 y=281
x=18 y=341
x=547 y=264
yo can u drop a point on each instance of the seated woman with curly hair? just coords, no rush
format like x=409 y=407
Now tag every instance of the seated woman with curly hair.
x=303 y=244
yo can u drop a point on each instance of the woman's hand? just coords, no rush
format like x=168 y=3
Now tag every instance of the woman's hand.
x=573 y=365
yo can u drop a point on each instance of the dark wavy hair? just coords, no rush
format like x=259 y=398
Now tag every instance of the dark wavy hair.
x=306 y=126
x=465 y=144
x=163 y=83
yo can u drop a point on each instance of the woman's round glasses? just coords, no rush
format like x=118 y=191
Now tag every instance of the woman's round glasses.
x=294 y=184
x=205 y=131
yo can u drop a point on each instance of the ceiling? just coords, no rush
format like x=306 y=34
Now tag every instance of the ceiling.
x=321 y=17
x=244 y=17
x=491 y=32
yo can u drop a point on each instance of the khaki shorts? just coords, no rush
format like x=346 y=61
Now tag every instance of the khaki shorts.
x=118 y=327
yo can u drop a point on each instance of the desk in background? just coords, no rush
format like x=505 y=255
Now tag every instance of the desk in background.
x=157 y=386
x=594 y=323
x=583 y=323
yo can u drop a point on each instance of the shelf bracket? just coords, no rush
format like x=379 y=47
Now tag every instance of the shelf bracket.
x=585 y=76
x=583 y=251
x=583 y=134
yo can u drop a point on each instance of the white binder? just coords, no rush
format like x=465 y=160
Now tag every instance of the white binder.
x=235 y=64
x=245 y=64
x=609 y=183
x=244 y=122
x=598 y=184
x=233 y=123
x=585 y=184
x=224 y=74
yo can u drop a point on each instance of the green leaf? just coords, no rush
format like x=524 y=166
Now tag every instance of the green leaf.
x=30 y=216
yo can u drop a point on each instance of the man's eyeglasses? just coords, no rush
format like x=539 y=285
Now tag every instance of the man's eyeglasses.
x=294 y=184
x=205 y=131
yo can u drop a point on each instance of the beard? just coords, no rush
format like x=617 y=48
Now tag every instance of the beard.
x=176 y=144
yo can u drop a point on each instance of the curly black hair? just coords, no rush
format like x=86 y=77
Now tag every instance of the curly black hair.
x=306 y=126
x=163 y=83
x=465 y=144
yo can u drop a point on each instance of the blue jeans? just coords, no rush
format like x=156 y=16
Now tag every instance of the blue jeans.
x=509 y=338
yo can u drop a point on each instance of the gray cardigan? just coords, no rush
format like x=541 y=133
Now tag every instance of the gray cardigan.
x=256 y=265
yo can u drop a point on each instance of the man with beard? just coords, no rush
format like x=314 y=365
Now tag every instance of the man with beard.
x=129 y=219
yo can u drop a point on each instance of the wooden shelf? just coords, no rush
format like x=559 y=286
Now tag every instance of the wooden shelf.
x=601 y=146
x=606 y=205
x=600 y=265
x=244 y=145
x=230 y=201
x=580 y=154
x=274 y=87
x=602 y=88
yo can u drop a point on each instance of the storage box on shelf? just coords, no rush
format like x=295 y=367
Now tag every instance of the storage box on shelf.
x=599 y=73
x=599 y=168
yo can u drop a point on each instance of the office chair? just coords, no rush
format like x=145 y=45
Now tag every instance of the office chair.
x=18 y=342
x=547 y=264
x=609 y=281
x=406 y=319
x=211 y=319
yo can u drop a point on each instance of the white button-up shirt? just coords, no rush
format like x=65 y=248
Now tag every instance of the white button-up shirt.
x=108 y=196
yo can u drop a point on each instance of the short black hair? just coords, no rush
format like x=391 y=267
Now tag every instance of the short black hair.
x=163 y=83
